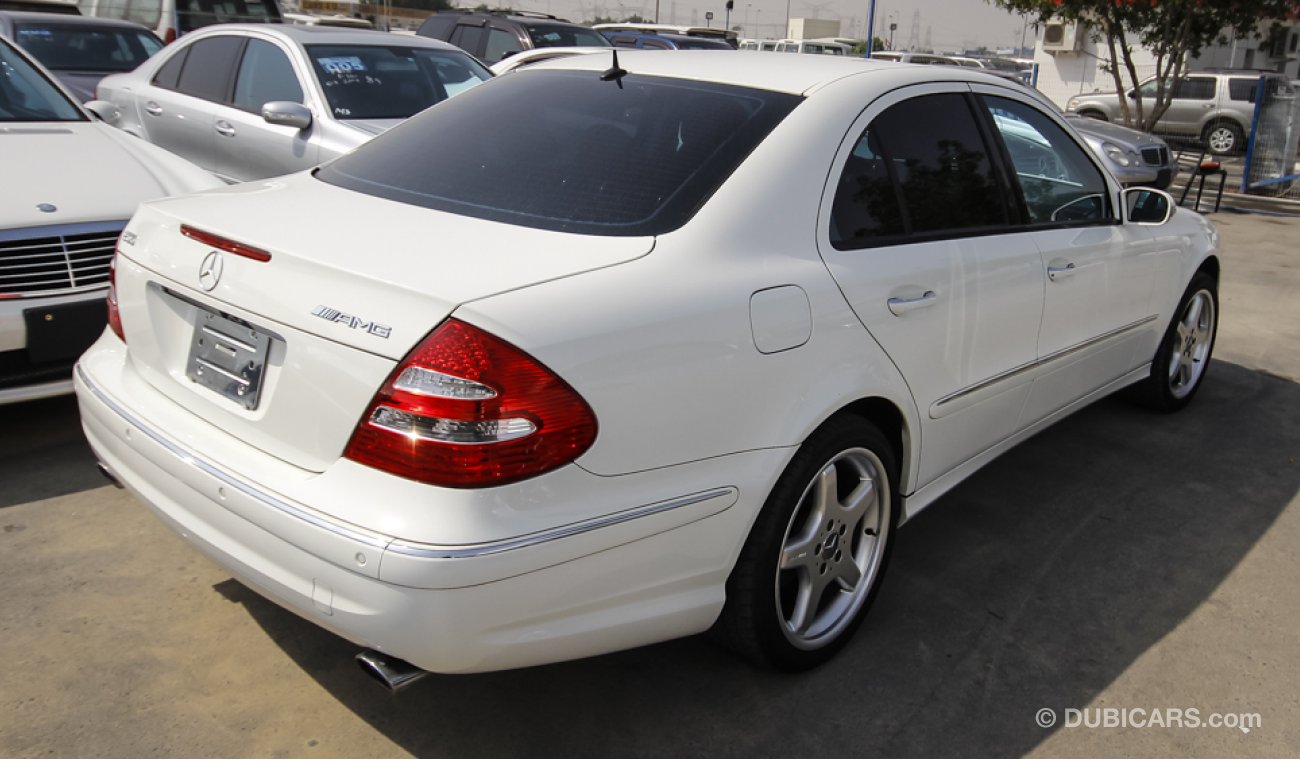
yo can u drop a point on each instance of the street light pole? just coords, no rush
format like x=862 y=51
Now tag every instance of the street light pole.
x=871 y=26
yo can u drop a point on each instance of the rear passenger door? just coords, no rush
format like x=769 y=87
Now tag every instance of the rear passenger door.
x=923 y=239
x=178 y=107
x=1193 y=103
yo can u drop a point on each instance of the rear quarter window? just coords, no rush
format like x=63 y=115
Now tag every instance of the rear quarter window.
x=565 y=151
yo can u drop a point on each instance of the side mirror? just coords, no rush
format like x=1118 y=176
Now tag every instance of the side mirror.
x=1132 y=94
x=286 y=113
x=1148 y=206
x=105 y=111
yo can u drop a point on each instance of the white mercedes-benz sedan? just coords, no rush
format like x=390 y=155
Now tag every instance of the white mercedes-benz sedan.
x=68 y=185
x=616 y=350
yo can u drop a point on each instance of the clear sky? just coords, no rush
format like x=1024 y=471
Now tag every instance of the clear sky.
x=947 y=24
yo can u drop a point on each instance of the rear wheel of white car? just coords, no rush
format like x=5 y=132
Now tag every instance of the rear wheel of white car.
x=1184 y=354
x=816 y=555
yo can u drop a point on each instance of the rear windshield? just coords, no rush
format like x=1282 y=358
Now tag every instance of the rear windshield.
x=70 y=47
x=699 y=43
x=195 y=14
x=565 y=151
x=555 y=35
x=390 y=81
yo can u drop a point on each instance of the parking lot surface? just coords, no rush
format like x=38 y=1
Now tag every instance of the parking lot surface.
x=1121 y=565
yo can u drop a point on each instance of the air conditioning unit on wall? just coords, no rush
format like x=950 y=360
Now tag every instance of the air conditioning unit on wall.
x=1060 y=37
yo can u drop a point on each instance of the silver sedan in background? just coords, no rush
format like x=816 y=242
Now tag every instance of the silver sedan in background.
x=252 y=101
x=1134 y=157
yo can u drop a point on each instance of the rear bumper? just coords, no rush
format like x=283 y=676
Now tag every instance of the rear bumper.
x=648 y=573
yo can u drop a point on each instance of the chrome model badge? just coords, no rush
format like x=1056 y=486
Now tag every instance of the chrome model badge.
x=210 y=270
x=356 y=323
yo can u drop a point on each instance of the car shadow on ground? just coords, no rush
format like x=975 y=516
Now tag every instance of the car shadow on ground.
x=1034 y=584
x=41 y=443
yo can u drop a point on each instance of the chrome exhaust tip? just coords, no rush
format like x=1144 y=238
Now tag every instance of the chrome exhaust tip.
x=108 y=474
x=393 y=673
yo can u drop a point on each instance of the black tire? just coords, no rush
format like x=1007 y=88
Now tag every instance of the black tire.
x=1224 y=138
x=1179 y=367
x=822 y=552
x=1098 y=115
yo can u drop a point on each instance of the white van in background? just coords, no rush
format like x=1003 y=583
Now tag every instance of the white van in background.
x=170 y=19
x=816 y=47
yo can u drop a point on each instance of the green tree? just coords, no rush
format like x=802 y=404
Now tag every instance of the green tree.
x=1172 y=30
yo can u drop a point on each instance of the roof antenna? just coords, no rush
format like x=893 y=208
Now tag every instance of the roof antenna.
x=614 y=72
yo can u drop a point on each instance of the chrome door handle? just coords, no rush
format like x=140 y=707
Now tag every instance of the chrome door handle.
x=900 y=306
x=225 y=128
x=1060 y=273
x=153 y=108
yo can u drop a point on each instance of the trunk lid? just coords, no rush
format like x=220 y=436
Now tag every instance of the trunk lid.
x=352 y=284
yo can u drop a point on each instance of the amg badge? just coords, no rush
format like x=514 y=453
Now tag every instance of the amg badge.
x=356 y=323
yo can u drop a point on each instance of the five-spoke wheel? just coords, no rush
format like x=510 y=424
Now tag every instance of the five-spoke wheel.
x=818 y=550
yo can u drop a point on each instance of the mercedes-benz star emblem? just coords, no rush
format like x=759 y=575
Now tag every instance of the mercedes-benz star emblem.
x=210 y=270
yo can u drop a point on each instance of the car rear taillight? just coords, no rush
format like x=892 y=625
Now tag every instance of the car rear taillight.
x=465 y=409
x=114 y=316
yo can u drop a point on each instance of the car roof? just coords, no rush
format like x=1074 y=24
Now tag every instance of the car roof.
x=796 y=75
x=326 y=35
x=66 y=19
x=523 y=17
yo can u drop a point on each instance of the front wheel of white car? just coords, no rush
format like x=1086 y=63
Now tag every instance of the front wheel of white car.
x=1184 y=354
x=817 y=553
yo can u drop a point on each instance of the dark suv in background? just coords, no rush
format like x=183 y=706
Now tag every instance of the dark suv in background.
x=491 y=37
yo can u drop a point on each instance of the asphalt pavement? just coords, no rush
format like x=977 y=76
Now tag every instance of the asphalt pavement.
x=1121 y=566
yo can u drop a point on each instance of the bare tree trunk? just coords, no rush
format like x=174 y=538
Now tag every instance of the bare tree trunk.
x=1111 y=34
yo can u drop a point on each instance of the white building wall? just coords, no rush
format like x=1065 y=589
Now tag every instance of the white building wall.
x=1062 y=75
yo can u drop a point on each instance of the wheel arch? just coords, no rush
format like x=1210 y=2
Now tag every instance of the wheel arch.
x=890 y=420
x=1209 y=266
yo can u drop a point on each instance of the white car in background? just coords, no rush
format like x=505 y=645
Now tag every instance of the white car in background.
x=501 y=404
x=68 y=185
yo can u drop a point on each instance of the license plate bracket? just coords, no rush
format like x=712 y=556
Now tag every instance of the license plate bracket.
x=228 y=356
x=65 y=331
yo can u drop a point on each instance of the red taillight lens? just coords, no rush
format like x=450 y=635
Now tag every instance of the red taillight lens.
x=114 y=316
x=466 y=409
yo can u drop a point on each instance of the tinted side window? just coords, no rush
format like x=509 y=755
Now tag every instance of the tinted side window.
x=170 y=72
x=500 y=43
x=866 y=200
x=655 y=45
x=1060 y=183
x=1195 y=88
x=941 y=164
x=265 y=74
x=1243 y=89
x=467 y=38
x=209 y=66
